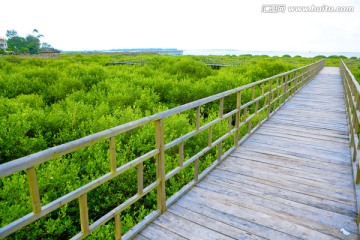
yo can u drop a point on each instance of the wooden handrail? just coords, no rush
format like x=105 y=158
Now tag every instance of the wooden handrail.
x=352 y=102
x=280 y=88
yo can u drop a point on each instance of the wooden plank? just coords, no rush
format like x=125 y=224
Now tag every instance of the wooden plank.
x=298 y=153
x=252 y=183
x=220 y=202
x=299 y=112
x=312 y=119
x=313 y=125
x=154 y=231
x=210 y=223
x=232 y=220
x=295 y=129
x=140 y=237
x=314 y=143
x=187 y=229
x=313 y=217
x=310 y=123
x=286 y=164
x=342 y=140
x=292 y=162
x=305 y=150
x=294 y=182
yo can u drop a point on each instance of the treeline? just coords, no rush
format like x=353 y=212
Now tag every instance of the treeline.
x=47 y=102
x=30 y=44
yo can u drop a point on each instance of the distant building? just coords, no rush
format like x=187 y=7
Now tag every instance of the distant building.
x=3 y=44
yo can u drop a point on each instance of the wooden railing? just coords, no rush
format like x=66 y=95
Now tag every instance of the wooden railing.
x=275 y=91
x=352 y=102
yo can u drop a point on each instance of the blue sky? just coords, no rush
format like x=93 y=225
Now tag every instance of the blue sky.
x=184 y=24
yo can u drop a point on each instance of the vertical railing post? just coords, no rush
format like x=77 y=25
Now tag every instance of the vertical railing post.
x=198 y=114
x=237 y=119
x=196 y=170
x=219 y=151
x=140 y=178
x=181 y=154
x=252 y=93
x=221 y=108
x=285 y=87
x=278 y=84
x=84 y=215
x=270 y=98
x=296 y=87
x=117 y=227
x=34 y=189
x=112 y=155
x=210 y=136
x=230 y=123
x=160 y=164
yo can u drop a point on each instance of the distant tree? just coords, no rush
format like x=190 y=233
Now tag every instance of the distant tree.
x=17 y=44
x=31 y=44
x=11 y=33
x=36 y=33
x=47 y=48
x=45 y=45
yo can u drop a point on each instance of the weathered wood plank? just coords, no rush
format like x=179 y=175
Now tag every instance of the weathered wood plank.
x=299 y=149
x=186 y=228
x=273 y=188
x=267 y=170
x=139 y=237
x=265 y=219
x=298 y=153
x=323 y=221
x=276 y=161
x=304 y=144
x=293 y=156
x=293 y=129
x=210 y=223
x=233 y=220
x=155 y=231
x=314 y=138
x=294 y=163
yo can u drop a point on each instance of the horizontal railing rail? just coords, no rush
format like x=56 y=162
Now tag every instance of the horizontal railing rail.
x=352 y=102
x=275 y=91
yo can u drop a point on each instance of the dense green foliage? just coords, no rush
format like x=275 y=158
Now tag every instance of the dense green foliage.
x=30 y=44
x=47 y=102
x=354 y=66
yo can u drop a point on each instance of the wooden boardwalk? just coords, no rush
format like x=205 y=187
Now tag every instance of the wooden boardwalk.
x=292 y=179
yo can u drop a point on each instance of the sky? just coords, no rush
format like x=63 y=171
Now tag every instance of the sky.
x=184 y=24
